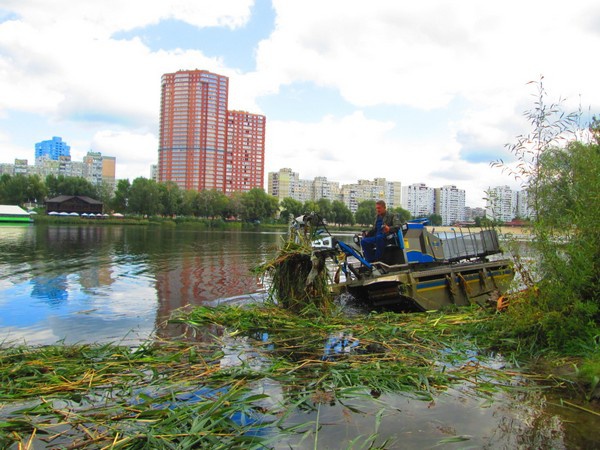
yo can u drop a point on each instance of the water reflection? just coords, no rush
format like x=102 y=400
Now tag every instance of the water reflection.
x=99 y=283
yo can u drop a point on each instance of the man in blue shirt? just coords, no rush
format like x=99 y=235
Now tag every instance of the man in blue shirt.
x=373 y=242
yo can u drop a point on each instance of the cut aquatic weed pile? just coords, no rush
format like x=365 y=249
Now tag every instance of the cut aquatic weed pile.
x=105 y=396
x=385 y=352
x=185 y=395
x=299 y=280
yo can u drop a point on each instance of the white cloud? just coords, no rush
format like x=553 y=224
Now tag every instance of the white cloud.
x=61 y=60
x=135 y=152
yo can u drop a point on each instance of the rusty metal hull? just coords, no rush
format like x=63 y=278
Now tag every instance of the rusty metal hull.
x=413 y=289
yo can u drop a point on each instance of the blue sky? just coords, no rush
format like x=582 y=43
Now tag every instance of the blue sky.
x=414 y=92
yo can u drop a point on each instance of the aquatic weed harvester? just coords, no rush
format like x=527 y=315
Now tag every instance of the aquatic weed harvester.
x=420 y=269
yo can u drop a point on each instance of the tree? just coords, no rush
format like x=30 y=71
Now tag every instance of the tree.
x=4 y=180
x=324 y=209
x=105 y=194
x=61 y=185
x=15 y=189
x=120 y=201
x=562 y=310
x=171 y=198
x=212 y=203
x=403 y=214
x=190 y=203
x=234 y=206
x=290 y=208
x=310 y=206
x=341 y=213
x=144 y=197
x=36 y=189
x=366 y=212
x=435 y=219
x=258 y=205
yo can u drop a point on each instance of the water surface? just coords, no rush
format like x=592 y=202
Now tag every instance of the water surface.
x=117 y=283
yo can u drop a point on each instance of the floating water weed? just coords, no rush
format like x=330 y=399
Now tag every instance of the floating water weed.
x=185 y=395
x=82 y=396
x=299 y=280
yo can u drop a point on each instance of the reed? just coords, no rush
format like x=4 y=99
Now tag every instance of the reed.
x=182 y=394
x=298 y=278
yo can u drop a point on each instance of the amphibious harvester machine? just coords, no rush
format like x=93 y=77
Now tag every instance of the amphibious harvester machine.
x=420 y=269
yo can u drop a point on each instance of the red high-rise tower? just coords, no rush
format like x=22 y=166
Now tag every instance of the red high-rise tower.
x=195 y=127
x=245 y=151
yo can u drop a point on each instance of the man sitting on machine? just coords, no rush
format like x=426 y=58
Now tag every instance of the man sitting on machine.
x=373 y=241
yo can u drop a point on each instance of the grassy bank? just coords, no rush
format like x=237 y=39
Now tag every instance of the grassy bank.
x=189 y=222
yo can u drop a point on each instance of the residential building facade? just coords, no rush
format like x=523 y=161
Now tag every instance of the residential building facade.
x=245 y=163
x=53 y=148
x=501 y=204
x=95 y=168
x=283 y=184
x=202 y=145
x=449 y=204
x=287 y=183
x=418 y=199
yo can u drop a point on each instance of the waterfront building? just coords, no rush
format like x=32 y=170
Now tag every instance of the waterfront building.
x=524 y=208
x=195 y=130
x=501 y=204
x=472 y=213
x=283 y=184
x=74 y=204
x=245 y=151
x=418 y=199
x=95 y=168
x=287 y=183
x=53 y=148
x=449 y=204
x=378 y=189
x=109 y=169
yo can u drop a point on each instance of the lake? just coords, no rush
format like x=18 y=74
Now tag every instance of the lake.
x=118 y=283
x=83 y=284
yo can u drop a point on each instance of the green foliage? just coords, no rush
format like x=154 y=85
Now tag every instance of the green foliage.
x=435 y=219
x=61 y=185
x=119 y=202
x=403 y=214
x=211 y=203
x=562 y=311
x=341 y=214
x=290 y=208
x=144 y=197
x=257 y=205
x=365 y=213
x=171 y=198
x=299 y=279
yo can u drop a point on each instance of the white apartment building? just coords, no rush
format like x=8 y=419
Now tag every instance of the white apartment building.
x=524 y=206
x=286 y=183
x=501 y=204
x=418 y=199
x=95 y=168
x=378 y=189
x=450 y=204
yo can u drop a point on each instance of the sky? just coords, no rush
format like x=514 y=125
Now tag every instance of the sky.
x=417 y=92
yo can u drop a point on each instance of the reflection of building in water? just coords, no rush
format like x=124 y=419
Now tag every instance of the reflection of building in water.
x=200 y=278
x=51 y=289
x=98 y=275
x=89 y=249
x=15 y=234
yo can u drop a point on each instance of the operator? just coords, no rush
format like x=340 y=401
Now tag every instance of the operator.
x=373 y=241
